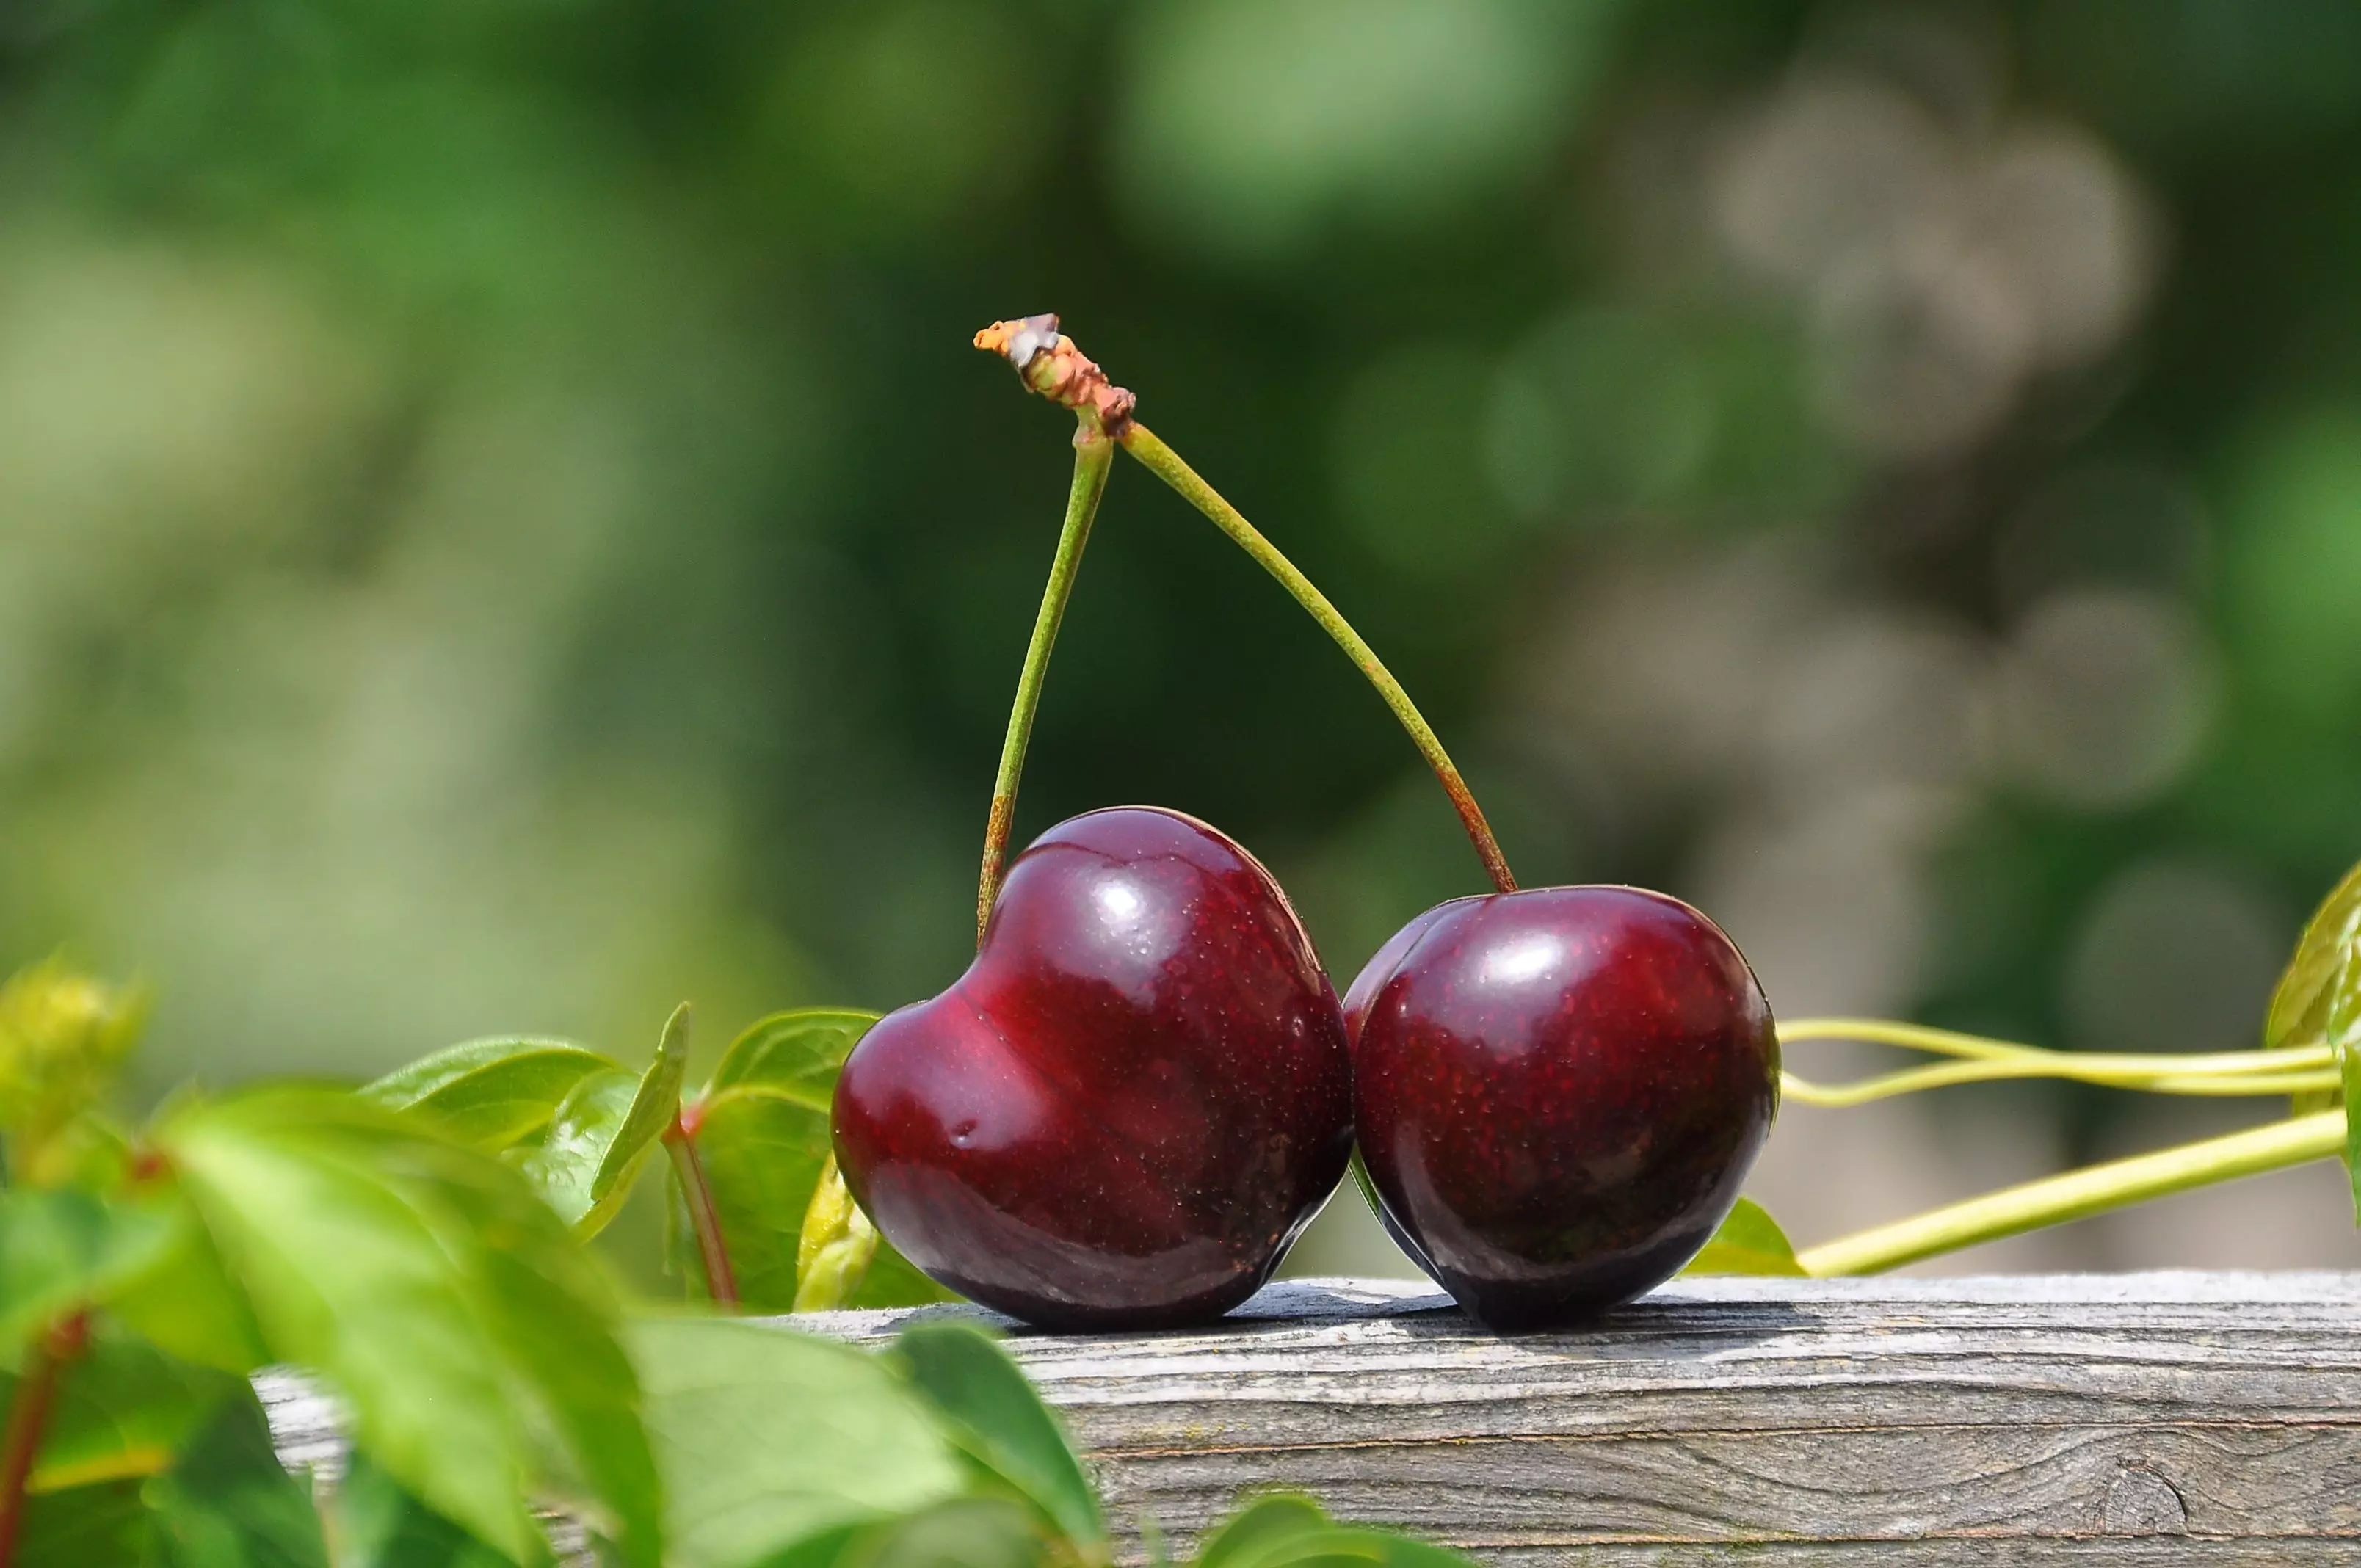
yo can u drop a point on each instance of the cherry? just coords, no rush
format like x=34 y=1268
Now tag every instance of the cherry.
x=1129 y=1104
x=1557 y=1092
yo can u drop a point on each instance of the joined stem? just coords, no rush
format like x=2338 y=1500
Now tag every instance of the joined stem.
x=1093 y=456
x=1167 y=465
x=2078 y=1194
x=29 y=1418
x=704 y=1220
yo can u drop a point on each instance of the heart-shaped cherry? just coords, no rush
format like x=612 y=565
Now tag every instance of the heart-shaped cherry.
x=1131 y=1101
x=1557 y=1092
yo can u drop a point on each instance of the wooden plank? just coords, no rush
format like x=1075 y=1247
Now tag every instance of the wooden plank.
x=2193 y=1419
x=2214 y=1417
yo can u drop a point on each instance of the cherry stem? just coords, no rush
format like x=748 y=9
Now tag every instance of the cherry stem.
x=1093 y=456
x=29 y=1418
x=704 y=1221
x=1167 y=465
x=2078 y=1194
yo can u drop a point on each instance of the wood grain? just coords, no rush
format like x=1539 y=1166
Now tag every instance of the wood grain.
x=2193 y=1417
x=2189 y=1419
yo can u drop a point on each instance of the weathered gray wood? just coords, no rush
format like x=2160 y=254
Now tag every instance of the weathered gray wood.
x=2193 y=1417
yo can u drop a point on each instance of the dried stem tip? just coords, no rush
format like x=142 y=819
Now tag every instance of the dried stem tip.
x=1048 y=361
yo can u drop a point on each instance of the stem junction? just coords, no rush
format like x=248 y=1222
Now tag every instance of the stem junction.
x=1049 y=364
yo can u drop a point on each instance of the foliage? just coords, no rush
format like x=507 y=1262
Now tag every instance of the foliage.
x=750 y=1149
x=1749 y=1242
x=1285 y=1530
x=471 y=1338
x=2318 y=999
x=417 y=1246
x=2318 y=1003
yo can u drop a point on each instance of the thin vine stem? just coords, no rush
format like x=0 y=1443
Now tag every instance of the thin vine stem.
x=1951 y=1043
x=703 y=1218
x=1911 y=1080
x=28 y=1418
x=1167 y=465
x=1980 y=1059
x=1093 y=456
x=2081 y=1193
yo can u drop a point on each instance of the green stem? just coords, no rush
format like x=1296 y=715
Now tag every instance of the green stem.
x=2148 y=1078
x=1094 y=456
x=1983 y=1059
x=1167 y=465
x=704 y=1218
x=29 y=1418
x=1950 y=1043
x=2079 y=1194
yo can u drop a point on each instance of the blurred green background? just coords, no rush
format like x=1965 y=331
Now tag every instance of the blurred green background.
x=501 y=527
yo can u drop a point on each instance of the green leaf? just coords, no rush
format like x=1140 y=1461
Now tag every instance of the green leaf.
x=1258 y=1526
x=470 y=1334
x=191 y=1478
x=104 y=1526
x=1288 y=1530
x=2318 y=999
x=766 y=1437
x=229 y=1504
x=1000 y=1423
x=762 y=1136
x=971 y=1533
x=795 y=1054
x=187 y=1304
x=833 y=1255
x=893 y=1280
x=564 y=1165
x=556 y=1321
x=63 y=1249
x=600 y=1135
x=314 y=1213
x=653 y=1110
x=763 y=1152
x=124 y=1409
x=1348 y=1547
x=379 y=1524
x=967 y=1533
x=2349 y=1062
x=1749 y=1242
x=492 y=1093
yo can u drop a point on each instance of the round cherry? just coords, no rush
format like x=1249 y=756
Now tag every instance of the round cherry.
x=1129 y=1104
x=1557 y=1093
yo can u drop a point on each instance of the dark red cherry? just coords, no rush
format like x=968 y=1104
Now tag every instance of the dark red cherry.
x=1127 y=1107
x=1557 y=1092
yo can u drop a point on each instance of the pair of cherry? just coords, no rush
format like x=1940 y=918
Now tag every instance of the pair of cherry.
x=1145 y=1086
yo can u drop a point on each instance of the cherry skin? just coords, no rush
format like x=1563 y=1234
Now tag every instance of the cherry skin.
x=1129 y=1104
x=1557 y=1093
